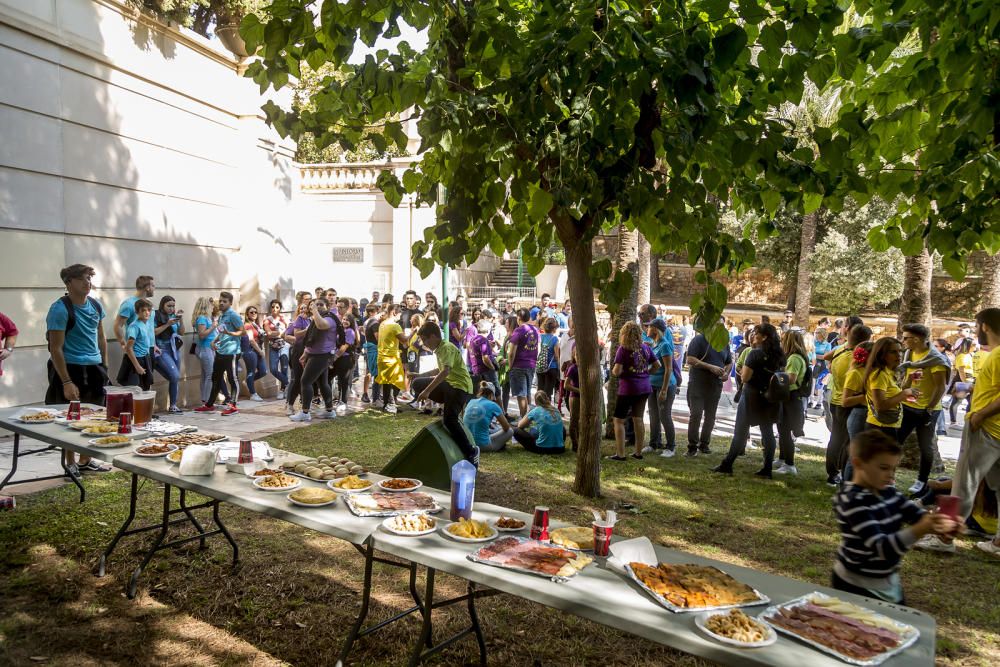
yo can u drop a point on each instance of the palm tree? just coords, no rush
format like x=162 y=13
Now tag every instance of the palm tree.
x=627 y=259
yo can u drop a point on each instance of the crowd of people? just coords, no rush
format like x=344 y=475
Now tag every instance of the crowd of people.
x=872 y=391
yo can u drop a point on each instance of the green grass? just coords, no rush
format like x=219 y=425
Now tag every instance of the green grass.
x=296 y=592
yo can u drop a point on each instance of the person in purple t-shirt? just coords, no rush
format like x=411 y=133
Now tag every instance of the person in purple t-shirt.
x=324 y=334
x=634 y=361
x=522 y=350
x=482 y=359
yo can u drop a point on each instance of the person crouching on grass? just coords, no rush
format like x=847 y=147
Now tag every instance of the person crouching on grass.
x=450 y=385
x=872 y=514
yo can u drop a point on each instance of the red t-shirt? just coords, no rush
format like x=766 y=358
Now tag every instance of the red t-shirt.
x=7 y=329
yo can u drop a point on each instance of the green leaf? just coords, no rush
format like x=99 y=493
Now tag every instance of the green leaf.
x=391 y=188
x=771 y=200
x=728 y=44
x=811 y=201
x=877 y=239
x=540 y=203
x=955 y=266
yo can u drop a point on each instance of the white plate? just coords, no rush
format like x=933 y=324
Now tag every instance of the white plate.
x=340 y=490
x=152 y=456
x=231 y=450
x=444 y=530
x=701 y=619
x=34 y=411
x=101 y=435
x=387 y=525
x=95 y=442
x=412 y=488
x=301 y=504
x=509 y=530
x=276 y=489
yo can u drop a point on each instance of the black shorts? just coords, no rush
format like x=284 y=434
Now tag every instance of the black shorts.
x=90 y=380
x=634 y=406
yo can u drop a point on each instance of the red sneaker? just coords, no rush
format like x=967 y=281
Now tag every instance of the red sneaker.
x=205 y=408
x=231 y=410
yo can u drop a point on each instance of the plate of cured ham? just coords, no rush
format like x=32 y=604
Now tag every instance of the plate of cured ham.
x=850 y=632
x=523 y=554
x=391 y=504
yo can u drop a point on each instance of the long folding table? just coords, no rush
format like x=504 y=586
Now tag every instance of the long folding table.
x=596 y=593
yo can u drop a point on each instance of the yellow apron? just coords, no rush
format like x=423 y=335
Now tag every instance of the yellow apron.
x=390 y=364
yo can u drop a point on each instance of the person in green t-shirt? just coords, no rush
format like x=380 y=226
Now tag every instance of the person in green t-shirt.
x=793 y=415
x=450 y=385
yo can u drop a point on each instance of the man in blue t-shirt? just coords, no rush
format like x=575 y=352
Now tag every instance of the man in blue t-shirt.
x=227 y=347
x=145 y=286
x=78 y=351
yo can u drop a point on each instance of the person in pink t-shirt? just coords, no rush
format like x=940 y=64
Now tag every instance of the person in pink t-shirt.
x=8 y=338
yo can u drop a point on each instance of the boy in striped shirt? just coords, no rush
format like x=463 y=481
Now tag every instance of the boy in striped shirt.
x=872 y=515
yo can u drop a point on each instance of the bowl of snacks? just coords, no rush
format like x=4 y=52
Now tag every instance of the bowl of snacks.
x=470 y=530
x=506 y=524
x=36 y=416
x=312 y=497
x=279 y=482
x=153 y=451
x=410 y=524
x=112 y=441
x=175 y=456
x=95 y=430
x=350 y=484
x=400 y=484
x=734 y=628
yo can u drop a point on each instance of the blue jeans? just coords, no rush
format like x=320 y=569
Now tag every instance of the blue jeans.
x=278 y=363
x=206 y=356
x=256 y=367
x=167 y=367
x=741 y=433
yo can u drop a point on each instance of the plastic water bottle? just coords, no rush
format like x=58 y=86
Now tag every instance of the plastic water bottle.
x=463 y=489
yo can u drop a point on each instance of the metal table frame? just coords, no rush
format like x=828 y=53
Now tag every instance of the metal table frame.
x=62 y=461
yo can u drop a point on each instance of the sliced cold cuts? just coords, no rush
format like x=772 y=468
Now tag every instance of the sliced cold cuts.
x=532 y=556
x=844 y=635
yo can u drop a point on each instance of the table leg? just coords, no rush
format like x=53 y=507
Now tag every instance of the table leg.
x=13 y=461
x=133 y=583
x=425 y=629
x=102 y=561
x=192 y=519
x=225 y=533
x=366 y=592
x=73 y=478
x=476 y=628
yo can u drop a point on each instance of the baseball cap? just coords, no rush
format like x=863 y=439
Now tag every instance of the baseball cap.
x=658 y=323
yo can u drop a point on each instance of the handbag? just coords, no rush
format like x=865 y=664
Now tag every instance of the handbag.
x=193 y=349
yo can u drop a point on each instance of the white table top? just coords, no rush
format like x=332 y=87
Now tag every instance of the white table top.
x=596 y=593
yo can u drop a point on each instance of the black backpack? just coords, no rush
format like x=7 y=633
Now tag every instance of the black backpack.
x=779 y=388
x=805 y=384
x=71 y=313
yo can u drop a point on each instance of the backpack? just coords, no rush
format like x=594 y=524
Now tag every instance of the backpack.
x=542 y=362
x=778 y=390
x=71 y=313
x=805 y=384
x=677 y=370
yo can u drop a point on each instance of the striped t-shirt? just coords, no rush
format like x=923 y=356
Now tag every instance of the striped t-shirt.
x=873 y=537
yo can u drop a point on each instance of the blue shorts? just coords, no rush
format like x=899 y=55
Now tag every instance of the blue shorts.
x=371 y=359
x=520 y=381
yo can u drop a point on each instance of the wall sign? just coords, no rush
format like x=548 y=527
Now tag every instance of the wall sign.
x=350 y=255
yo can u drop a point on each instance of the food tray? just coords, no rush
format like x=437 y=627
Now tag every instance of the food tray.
x=229 y=449
x=351 y=498
x=476 y=557
x=911 y=634
x=324 y=481
x=667 y=604
x=161 y=428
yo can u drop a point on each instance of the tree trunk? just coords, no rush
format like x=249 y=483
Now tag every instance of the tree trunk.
x=654 y=270
x=803 y=277
x=579 y=257
x=642 y=281
x=915 y=304
x=991 y=281
x=627 y=259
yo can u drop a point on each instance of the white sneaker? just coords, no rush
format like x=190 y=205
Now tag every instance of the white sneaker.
x=301 y=417
x=326 y=414
x=647 y=450
x=934 y=543
x=391 y=409
x=917 y=487
x=785 y=469
x=777 y=463
x=342 y=409
x=280 y=396
x=753 y=445
x=667 y=453
x=989 y=547
x=406 y=396
x=255 y=397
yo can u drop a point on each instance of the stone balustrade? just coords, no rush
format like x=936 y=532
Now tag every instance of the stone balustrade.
x=337 y=177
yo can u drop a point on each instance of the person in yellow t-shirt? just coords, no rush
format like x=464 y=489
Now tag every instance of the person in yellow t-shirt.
x=390 y=363
x=840 y=364
x=920 y=413
x=882 y=394
x=979 y=457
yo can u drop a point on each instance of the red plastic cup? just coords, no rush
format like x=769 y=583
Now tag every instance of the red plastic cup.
x=246 y=452
x=916 y=376
x=948 y=505
x=540 y=524
x=602 y=539
x=125 y=423
x=73 y=413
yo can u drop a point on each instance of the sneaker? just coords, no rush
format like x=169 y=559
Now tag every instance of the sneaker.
x=764 y=473
x=74 y=470
x=934 y=543
x=174 y=410
x=93 y=465
x=280 y=396
x=777 y=463
x=722 y=469
x=391 y=409
x=691 y=453
x=636 y=456
x=289 y=409
x=667 y=453
x=705 y=450
x=474 y=460
x=834 y=481
x=205 y=408
x=785 y=469
x=301 y=417
x=989 y=546
x=326 y=414
x=648 y=449
x=255 y=397
x=365 y=398
x=231 y=410
x=406 y=396
x=917 y=487
x=615 y=457
x=342 y=409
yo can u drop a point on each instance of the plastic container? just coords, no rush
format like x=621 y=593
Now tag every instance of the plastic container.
x=119 y=400
x=142 y=407
x=463 y=490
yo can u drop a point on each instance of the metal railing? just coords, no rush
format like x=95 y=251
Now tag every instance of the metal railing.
x=494 y=292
